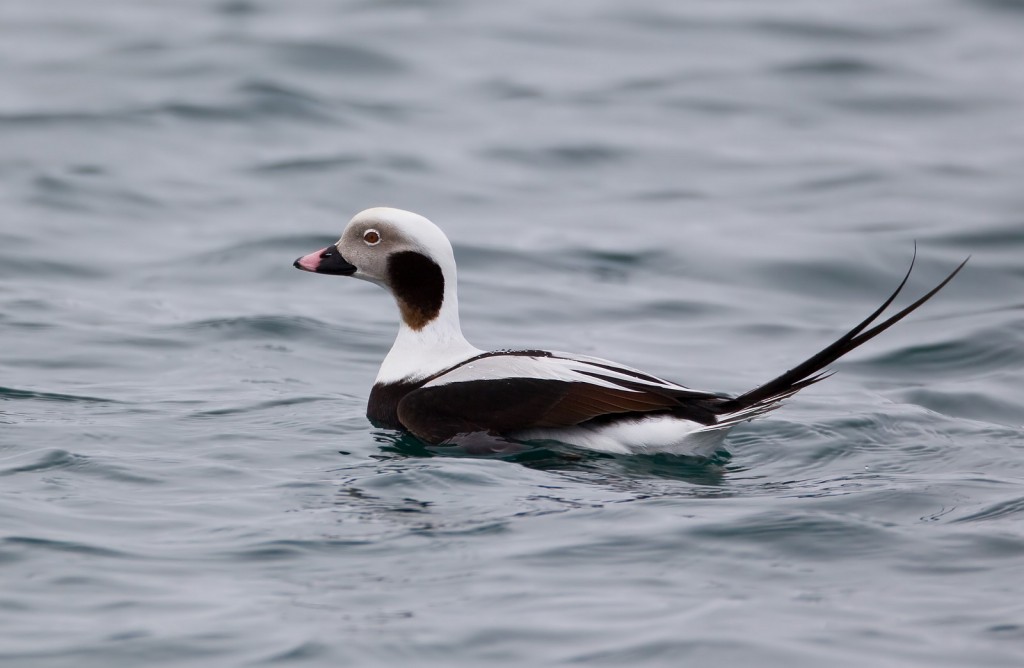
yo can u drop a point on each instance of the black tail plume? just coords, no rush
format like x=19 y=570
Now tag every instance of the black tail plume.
x=765 y=397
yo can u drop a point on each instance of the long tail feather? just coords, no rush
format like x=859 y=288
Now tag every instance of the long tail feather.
x=766 y=397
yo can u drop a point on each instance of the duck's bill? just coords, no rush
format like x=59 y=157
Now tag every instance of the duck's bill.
x=325 y=261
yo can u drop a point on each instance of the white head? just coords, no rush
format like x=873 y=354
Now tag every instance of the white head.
x=400 y=251
x=411 y=257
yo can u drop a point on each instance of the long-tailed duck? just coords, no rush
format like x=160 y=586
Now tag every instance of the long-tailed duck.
x=440 y=388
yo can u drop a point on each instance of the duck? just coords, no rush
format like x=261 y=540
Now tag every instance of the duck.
x=443 y=390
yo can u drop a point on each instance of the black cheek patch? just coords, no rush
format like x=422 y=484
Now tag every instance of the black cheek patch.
x=418 y=285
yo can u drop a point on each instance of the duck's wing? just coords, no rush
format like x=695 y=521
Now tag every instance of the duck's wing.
x=508 y=391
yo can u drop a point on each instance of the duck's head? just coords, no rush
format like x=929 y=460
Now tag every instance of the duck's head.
x=398 y=250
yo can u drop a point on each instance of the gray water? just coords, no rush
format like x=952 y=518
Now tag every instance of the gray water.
x=708 y=191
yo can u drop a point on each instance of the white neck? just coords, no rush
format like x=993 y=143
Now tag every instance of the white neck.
x=437 y=346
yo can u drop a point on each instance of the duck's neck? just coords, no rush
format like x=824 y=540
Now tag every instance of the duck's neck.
x=422 y=352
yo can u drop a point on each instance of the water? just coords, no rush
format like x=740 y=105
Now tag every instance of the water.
x=709 y=191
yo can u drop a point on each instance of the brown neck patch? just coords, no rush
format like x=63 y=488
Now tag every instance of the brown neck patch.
x=418 y=285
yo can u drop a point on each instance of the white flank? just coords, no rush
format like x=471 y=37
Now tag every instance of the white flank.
x=646 y=435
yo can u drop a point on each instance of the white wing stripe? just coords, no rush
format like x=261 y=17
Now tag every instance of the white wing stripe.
x=592 y=371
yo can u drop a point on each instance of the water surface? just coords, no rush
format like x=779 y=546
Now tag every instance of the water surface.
x=707 y=191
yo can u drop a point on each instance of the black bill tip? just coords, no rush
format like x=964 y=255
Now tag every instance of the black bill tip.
x=325 y=261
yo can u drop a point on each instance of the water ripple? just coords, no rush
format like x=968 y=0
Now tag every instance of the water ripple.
x=14 y=393
x=64 y=546
x=992 y=349
x=833 y=31
x=1003 y=509
x=53 y=460
x=258 y=407
x=258 y=327
x=278 y=550
x=566 y=156
x=834 y=66
x=336 y=57
x=826 y=537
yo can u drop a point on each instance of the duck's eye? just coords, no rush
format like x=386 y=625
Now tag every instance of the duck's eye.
x=371 y=237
